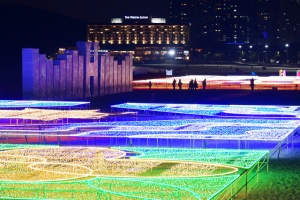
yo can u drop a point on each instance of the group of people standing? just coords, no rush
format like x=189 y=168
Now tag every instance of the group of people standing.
x=193 y=84
x=179 y=84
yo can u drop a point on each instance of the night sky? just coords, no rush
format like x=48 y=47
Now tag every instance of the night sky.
x=97 y=11
x=50 y=24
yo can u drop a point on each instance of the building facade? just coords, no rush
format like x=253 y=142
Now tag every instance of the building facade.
x=239 y=26
x=149 y=39
x=75 y=74
x=212 y=22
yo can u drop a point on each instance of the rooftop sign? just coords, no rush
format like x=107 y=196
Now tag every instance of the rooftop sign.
x=136 y=17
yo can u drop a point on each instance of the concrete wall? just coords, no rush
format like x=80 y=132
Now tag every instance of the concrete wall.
x=68 y=77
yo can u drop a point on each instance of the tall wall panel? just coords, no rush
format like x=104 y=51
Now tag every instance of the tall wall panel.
x=111 y=74
x=36 y=80
x=107 y=74
x=69 y=71
x=84 y=50
x=69 y=76
x=30 y=61
x=123 y=83
x=127 y=76
x=63 y=79
x=49 y=73
x=42 y=77
x=56 y=84
x=119 y=85
x=130 y=71
x=94 y=70
x=115 y=74
x=102 y=62
x=75 y=74
x=80 y=76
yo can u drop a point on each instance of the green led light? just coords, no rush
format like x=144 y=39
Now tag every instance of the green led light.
x=238 y=158
x=52 y=172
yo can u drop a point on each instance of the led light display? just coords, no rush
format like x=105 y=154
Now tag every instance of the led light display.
x=119 y=188
x=238 y=158
x=225 y=129
x=43 y=104
x=224 y=82
x=229 y=129
x=215 y=110
x=50 y=115
x=53 y=172
x=72 y=162
x=78 y=172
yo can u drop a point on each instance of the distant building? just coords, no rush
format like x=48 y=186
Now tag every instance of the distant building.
x=148 y=38
x=212 y=22
x=276 y=23
x=75 y=74
x=240 y=29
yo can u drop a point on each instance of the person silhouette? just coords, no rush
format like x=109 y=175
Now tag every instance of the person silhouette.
x=150 y=85
x=204 y=84
x=195 y=84
x=180 y=84
x=174 y=84
x=191 y=84
x=252 y=84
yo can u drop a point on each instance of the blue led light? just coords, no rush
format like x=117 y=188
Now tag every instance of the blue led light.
x=39 y=104
x=215 y=110
x=241 y=129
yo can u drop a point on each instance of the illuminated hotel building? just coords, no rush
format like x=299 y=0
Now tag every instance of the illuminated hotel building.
x=148 y=38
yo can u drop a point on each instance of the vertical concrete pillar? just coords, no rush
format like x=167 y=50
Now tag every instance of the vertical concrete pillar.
x=127 y=71
x=81 y=83
x=62 y=79
x=119 y=89
x=42 y=77
x=75 y=75
x=56 y=81
x=111 y=74
x=101 y=73
x=69 y=73
x=30 y=62
x=49 y=72
x=130 y=71
x=115 y=75
x=123 y=83
x=106 y=73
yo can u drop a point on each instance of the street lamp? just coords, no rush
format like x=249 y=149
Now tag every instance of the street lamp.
x=172 y=53
x=250 y=58
x=287 y=53
x=186 y=53
x=266 y=46
x=240 y=50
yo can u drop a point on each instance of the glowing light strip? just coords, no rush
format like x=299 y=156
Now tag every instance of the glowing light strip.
x=239 y=158
x=275 y=130
x=217 y=110
x=44 y=104
x=224 y=82
x=50 y=115
x=120 y=188
x=231 y=129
